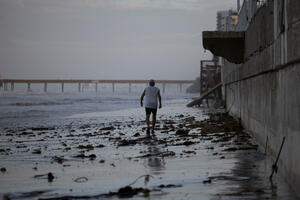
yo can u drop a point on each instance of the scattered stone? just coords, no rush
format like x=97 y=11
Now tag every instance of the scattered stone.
x=42 y=128
x=50 y=177
x=58 y=159
x=100 y=146
x=109 y=128
x=207 y=181
x=92 y=157
x=169 y=186
x=102 y=161
x=127 y=142
x=26 y=133
x=37 y=151
x=231 y=149
x=136 y=135
x=182 y=132
x=189 y=152
x=88 y=147
x=81 y=179
x=128 y=192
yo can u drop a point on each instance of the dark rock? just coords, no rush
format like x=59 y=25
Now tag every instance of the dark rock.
x=109 y=128
x=89 y=147
x=182 y=132
x=50 y=177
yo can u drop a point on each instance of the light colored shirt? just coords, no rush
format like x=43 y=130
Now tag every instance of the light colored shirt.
x=151 y=96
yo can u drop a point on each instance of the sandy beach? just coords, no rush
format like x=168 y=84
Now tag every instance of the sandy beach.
x=193 y=155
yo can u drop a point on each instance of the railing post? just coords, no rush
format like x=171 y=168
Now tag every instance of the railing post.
x=96 y=87
x=62 y=87
x=45 y=87
x=180 y=87
x=113 y=87
x=12 y=86
x=28 y=87
x=129 y=87
x=79 y=87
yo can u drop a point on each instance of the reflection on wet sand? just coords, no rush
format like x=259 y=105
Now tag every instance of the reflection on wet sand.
x=155 y=163
x=191 y=157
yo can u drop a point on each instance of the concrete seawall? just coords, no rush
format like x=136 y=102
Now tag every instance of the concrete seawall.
x=264 y=91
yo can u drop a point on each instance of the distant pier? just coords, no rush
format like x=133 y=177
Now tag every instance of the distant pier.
x=80 y=82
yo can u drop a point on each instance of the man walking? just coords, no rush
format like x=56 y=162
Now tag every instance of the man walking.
x=151 y=93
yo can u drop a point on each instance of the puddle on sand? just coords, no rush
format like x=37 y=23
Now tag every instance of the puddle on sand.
x=190 y=157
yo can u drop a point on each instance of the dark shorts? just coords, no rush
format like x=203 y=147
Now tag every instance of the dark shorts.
x=151 y=110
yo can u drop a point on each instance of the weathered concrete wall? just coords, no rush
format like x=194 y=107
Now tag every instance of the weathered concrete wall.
x=264 y=91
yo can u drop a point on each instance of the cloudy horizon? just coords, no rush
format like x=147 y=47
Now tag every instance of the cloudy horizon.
x=105 y=39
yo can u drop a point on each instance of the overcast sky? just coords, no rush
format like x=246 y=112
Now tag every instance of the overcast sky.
x=105 y=39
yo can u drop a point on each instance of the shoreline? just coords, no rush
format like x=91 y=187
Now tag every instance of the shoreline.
x=192 y=155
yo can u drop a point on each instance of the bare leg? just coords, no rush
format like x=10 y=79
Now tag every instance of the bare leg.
x=148 y=123
x=153 y=122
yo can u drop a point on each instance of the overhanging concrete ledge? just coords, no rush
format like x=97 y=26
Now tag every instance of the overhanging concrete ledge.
x=227 y=44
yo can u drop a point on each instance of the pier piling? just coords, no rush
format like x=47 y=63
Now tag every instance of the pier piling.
x=45 y=87
x=79 y=87
x=164 y=87
x=12 y=86
x=28 y=87
x=5 y=86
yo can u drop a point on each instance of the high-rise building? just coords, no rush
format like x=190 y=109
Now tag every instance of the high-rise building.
x=226 y=20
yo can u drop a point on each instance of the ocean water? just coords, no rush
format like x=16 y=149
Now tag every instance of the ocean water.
x=24 y=107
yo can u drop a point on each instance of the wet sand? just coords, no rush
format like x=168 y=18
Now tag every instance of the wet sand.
x=193 y=155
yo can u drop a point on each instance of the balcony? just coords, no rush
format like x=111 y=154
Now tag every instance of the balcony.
x=227 y=44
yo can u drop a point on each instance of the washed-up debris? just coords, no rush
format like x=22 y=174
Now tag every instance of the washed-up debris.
x=27 y=195
x=48 y=176
x=206 y=181
x=127 y=192
x=88 y=147
x=109 y=128
x=85 y=126
x=81 y=179
x=123 y=192
x=99 y=146
x=42 y=128
x=189 y=152
x=82 y=155
x=182 y=132
x=146 y=180
x=58 y=159
x=169 y=186
x=136 y=135
x=37 y=151
x=159 y=154
x=26 y=133
x=127 y=142
x=185 y=143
